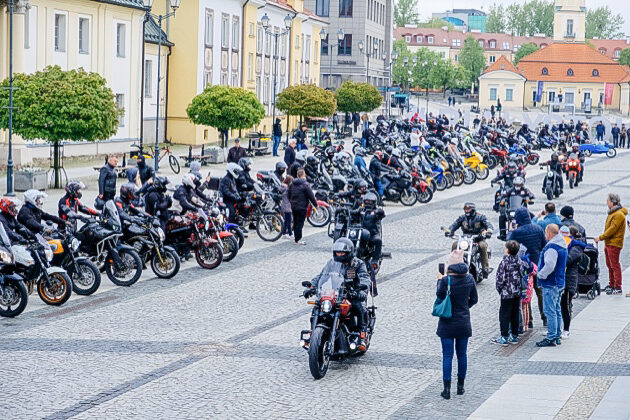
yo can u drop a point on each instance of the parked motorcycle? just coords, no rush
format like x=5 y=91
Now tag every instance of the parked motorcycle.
x=13 y=293
x=85 y=275
x=187 y=234
x=398 y=187
x=147 y=238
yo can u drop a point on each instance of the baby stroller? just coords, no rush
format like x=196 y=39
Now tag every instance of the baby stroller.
x=588 y=272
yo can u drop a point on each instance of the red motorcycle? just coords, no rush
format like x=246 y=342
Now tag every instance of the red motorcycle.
x=573 y=168
x=424 y=190
x=187 y=233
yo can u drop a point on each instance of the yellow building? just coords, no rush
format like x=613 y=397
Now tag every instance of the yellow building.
x=502 y=81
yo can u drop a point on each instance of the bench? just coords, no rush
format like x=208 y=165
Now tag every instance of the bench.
x=258 y=144
x=196 y=153
x=121 y=171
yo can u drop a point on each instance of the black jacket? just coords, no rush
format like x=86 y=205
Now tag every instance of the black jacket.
x=576 y=250
x=184 y=195
x=107 y=182
x=228 y=189
x=361 y=275
x=14 y=229
x=146 y=172
x=300 y=137
x=376 y=168
x=372 y=220
x=463 y=297
x=570 y=222
x=31 y=217
x=157 y=204
x=277 y=129
x=235 y=154
x=471 y=225
x=289 y=155
x=300 y=194
x=67 y=205
x=293 y=168
x=244 y=182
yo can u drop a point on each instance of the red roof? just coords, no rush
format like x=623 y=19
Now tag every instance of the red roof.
x=502 y=64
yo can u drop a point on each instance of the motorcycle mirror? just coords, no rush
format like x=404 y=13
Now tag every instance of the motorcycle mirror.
x=306 y=283
x=363 y=287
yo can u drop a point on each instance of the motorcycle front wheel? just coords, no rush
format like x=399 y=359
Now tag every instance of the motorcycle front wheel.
x=450 y=179
x=441 y=184
x=469 y=177
x=458 y=178
x=425 y=196
x=533 y=158
x=130 y=270
x=168 y=266
x=230 y=248
x=408 y=197
x=492 y=162
x=482 y=173
x=209 y=257
x=320 y=217
x=611 y=153
x=319 y=352
x=238 y=234
x=571 y=180
x=13 y=298
x=86 y=277
x=269 y=227
x=549 y=193
x=56 y=291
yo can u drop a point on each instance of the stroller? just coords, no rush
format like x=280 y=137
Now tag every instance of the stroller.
x=588 y=272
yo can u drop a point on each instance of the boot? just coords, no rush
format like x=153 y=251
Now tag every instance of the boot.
x=446 y=394
x=460 y=386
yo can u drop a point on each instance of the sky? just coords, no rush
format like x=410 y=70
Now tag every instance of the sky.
x=428 y=7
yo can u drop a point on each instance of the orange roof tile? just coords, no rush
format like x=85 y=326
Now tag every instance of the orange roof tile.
x=502 y=64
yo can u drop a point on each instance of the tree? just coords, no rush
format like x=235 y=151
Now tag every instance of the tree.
x=357 y=97
x=525 y=50
x=399 y=70
x=624 y=57
x=57 y=105
x=495 y=23
x=442 y=74
x=436 y=23
x=406 y=13
x=306 y=101
x=603 y=24
x=529 y=18
x=471 y=57
x=225 y=108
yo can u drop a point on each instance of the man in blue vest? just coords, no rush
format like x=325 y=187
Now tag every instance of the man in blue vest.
x=551 y=270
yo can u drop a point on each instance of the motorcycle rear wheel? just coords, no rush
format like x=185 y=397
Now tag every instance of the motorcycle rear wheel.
x=450 y=180
x=492 y=162
x=320 y=217
x=14 y=299
x=408 y=197
x=56 y=291
x=611 y=153
x=230 y=248
x=269 y=227
x=318 y=353
x=132 y=264
x=170 y=265
x=482 y=173
x=86 y=277
x=209 y=257
x=469 y=177
x=425 y=196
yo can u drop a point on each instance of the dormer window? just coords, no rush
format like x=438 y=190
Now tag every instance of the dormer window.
x=595 y=72
x=545 y=71
x=570 y=72
x=493 y=44
x=602 y=51
x=419 y=39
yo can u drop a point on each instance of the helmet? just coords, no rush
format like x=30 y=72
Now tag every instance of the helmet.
x=439 y=144
x=281 y=167
x=311 y=160
x=396 y=152
x=512 y=168
x=343 y=250
x=519 y=182
x=189 y=179
x=8 y=206
x=389 y=150
x=245 y=163
x=446 y=136
x=378 y=154
x=359 y=151
x=470 y=209
x=301 y=156
x=330 y=151
x=488 y=136
x=233 y=169
x=160 y=183
x=361 y=187
x=73 y=189
x=370 y=200
x=128 y=191
x=554 y=156
x=574 y=146
x=35 y=197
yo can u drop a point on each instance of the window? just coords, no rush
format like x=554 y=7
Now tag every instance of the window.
x=516 y=47
x=148 y=77
x=60 y=33
x=481 y=43
x=430 y=39
x=509 y=93
x=570 y=72
x=258 y=90
x=267 y=43
x=307 y=48
x=251 y=30
x=569 y=27
x=345 y=8
x=120 y=104
x=121 y=29
x=283 y=45
x=456 y=57
x=457 y=43
x=419 y=39
x=545 y=71
x=617 y=53
x=259 y=39
x=235 y=33
x=224 y=79
x=506 y=45
x=493 y=94
x=322 y=8
x=369 y=9
x=325 y=45
x=250 y=67
x=207 y=80
x=595 y=72
x=407 y=38
x=345 y=46
x=493 y=44
x=235 y=79
x=209 y=27
x=27 y=17
x=602 y=51
x=492 y=58
x=84 y=36
x=225 y=31
x=266 y=91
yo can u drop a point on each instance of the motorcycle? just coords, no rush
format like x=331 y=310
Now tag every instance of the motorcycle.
x=424 y=192
x=551 y=184
x=469 y=244
x=319 y=217
x=147 y=238
x=268 y=223
x=573 y=168
x=399 y=188
x=335 y=326
x=227 y=240
x=187 y=233
x=13 y=293
x=509 y=207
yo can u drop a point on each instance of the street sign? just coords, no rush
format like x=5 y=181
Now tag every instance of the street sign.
x=389 y=89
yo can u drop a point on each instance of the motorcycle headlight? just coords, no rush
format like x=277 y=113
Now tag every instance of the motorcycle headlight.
x=49 y=254
x=549 y=174
x=75 y=244
x=161 y=234
x=326 y=306
x=463 y=245
x=220 y=219
x=6 y=257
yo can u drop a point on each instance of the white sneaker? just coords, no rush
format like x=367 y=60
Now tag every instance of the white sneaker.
x=565 y=335
x=300 y=243
x=285 y=236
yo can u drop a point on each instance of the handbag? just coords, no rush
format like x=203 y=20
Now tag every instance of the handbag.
x=442 y=307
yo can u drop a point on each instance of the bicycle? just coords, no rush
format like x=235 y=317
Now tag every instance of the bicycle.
x=172 y=159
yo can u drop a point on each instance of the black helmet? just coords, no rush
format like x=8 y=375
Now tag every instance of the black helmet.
x=361 y=187
x=73 y=188
x=160 y=183
x=554 y=156
x=389 y=149
x=245 y=163
x=311 y=160
x=281 y=167
x=128 y=191
x=512 y=168
x=470 y=209
x=370 y=200
x=343 y=250
x=330 y=152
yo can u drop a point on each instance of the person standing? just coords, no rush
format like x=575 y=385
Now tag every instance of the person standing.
x=623 y=135
x=614 y=232
x=551 y=278
x=300 y=137
x=600 y=130
x=575 y=251
x=335 y=121
x=628 y=138
x=300 y=194
x=277 y=136
x=547 y=216
x=287 y=232
x=355 y=120
x=492 y=111
x=567 y=220
x=455 y=331
x=107 y=180
x=615 y=134
x=145 y=172
x=236 y=152
x=289 y=153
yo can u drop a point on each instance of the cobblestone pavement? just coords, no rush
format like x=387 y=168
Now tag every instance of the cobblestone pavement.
x=224 y=343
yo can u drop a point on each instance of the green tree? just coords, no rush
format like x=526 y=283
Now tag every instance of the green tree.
x=399 y=70
x=460 y=79
x=442 y=74
x=525 y=50
x=604 y=24
x=624 y=57
x=406 y=13
x=357 y=97
x=529 y=18
x=471 y=57
x=496 y=21
x=57 y=105
x=306 y=101
x=225 y=108
x=436 y=23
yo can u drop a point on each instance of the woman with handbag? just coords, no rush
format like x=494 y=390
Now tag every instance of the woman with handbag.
x=458 y=286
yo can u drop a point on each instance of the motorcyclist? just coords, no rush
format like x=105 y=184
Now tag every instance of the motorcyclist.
x=300 y=161
x=244 y=182
x=31 y=213
x=377 y=169
x=507 y=175
x=133 y=178
x=475 y=224
x=371 y=217
x=359 y=162
x=202 y=186
x=13 y=228
x=311 y=169
x=556 y=166
x=157 y=202
x=523 y=132
x=184 y=194
x=518 y=189
x=356 y=194
x=145 y=171
x=344 y=263
x=281 y=168
x=127 y=211
x=575 y=148
x=544 y=132
x=394 y=159
x=69 y=205
x=229 y=190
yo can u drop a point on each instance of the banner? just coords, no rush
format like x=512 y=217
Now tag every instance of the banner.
x=608 y=95
x=539 y=91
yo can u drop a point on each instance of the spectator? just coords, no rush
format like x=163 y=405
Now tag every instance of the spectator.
x=455 y=331
x=335 y=121
x=365 y=122
x=355 y=120
x=622 y=136
x=300 y=138
x=533 y=238
x=575 y=252
x=567 y=220
x=449 y=101
x=614 y=232
x=107 y=180
x=600 y=130
x=236 y=152
x=277 y=136
x=526 y=292
x=287 y=232
x=289 y=153
x=628 y=136
x=492 y=111
x=551 y=278
x=300 y=195
x=547 y=216
x=615 y=134
x=348 y=119
x=145 y=172
x=509 y=279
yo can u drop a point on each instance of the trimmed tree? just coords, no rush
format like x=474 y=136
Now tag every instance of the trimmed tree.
x=472 y=58
x=226 y=108
x=306 y=101
x=525 y=50
x=57 y=105
x=357 y=97
x=624 y=57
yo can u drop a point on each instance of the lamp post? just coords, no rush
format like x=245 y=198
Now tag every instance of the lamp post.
x=147 y=6
x=11 y=5
x=425 y=63
x=340 y=37
x=367 y=56
x=288 y=22
x=393 y=57
x=414 y=60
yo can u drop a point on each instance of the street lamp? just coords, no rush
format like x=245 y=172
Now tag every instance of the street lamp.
x=425 y=63
x=11 y=5
x=393 y=57
x=288 y=23
x=340 y=37
x=367 y=55
x=147 y=7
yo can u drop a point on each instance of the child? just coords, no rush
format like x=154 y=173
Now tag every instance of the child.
x=509 y=279
x=287 y=233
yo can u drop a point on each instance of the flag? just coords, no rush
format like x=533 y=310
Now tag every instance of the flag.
x=608 y=95
x=539 y=91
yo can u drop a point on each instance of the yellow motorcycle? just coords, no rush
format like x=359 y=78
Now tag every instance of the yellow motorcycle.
x=475 y=162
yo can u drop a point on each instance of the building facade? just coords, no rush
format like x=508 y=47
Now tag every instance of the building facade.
x=464 y=19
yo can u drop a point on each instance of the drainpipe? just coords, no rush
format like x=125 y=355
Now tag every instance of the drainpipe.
x=168 y=67
x=144 y=25
x=243 y=35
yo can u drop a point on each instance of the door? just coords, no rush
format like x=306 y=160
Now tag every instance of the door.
x=569 y=97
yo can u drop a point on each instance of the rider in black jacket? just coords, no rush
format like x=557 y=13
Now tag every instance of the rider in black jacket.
x=473 y=223
x=244 y=182
x=69 y=205
x=371 y=217
x=229 y=190
x=107 y=180
x=145 y=171
x=377 y=168
x=31 y=213
x=157 y=202
x=184 y=194
x=14 y=229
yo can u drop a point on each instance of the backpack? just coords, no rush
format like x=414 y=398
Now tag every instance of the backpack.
x=588 y=264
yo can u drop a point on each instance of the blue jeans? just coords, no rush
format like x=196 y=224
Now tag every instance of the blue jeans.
x=553 y=311
x=450 y=346
x=379 y=186
x=276 y=143
x=301 y=146
x=363 y=143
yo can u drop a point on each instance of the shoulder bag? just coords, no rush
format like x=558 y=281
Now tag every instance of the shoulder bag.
x=442 y=307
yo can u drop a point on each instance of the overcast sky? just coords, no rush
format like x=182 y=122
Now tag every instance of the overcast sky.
x=428 y=7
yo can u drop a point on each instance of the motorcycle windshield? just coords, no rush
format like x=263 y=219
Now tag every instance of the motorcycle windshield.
x=43 y=242
x=332 y=280
x=111 y=213
x=4 y=237
x=516 y=201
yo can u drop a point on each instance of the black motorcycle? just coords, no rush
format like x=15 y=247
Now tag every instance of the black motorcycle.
x=13 y=293
x=469 y=244
x=399 y=187
x=551 y=183
x=85 y=275
x=147 y=238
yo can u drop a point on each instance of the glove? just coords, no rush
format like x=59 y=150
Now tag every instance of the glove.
x=447 y=233
x=362 y=296
x=308 y=292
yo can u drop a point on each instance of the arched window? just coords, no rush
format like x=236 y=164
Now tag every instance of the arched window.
x=545 y=71
x=570 y=72
x=595 y=72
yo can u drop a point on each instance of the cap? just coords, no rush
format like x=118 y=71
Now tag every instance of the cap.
x=567 y=211
x=564 y=230
x=237 y=140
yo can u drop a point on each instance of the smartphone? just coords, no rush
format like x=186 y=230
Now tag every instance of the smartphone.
x=441 y=268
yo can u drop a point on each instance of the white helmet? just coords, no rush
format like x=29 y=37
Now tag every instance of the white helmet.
x=396 y=152
x=189 y=180
x=234 y=169
x=35 y=197
x=301 y=156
